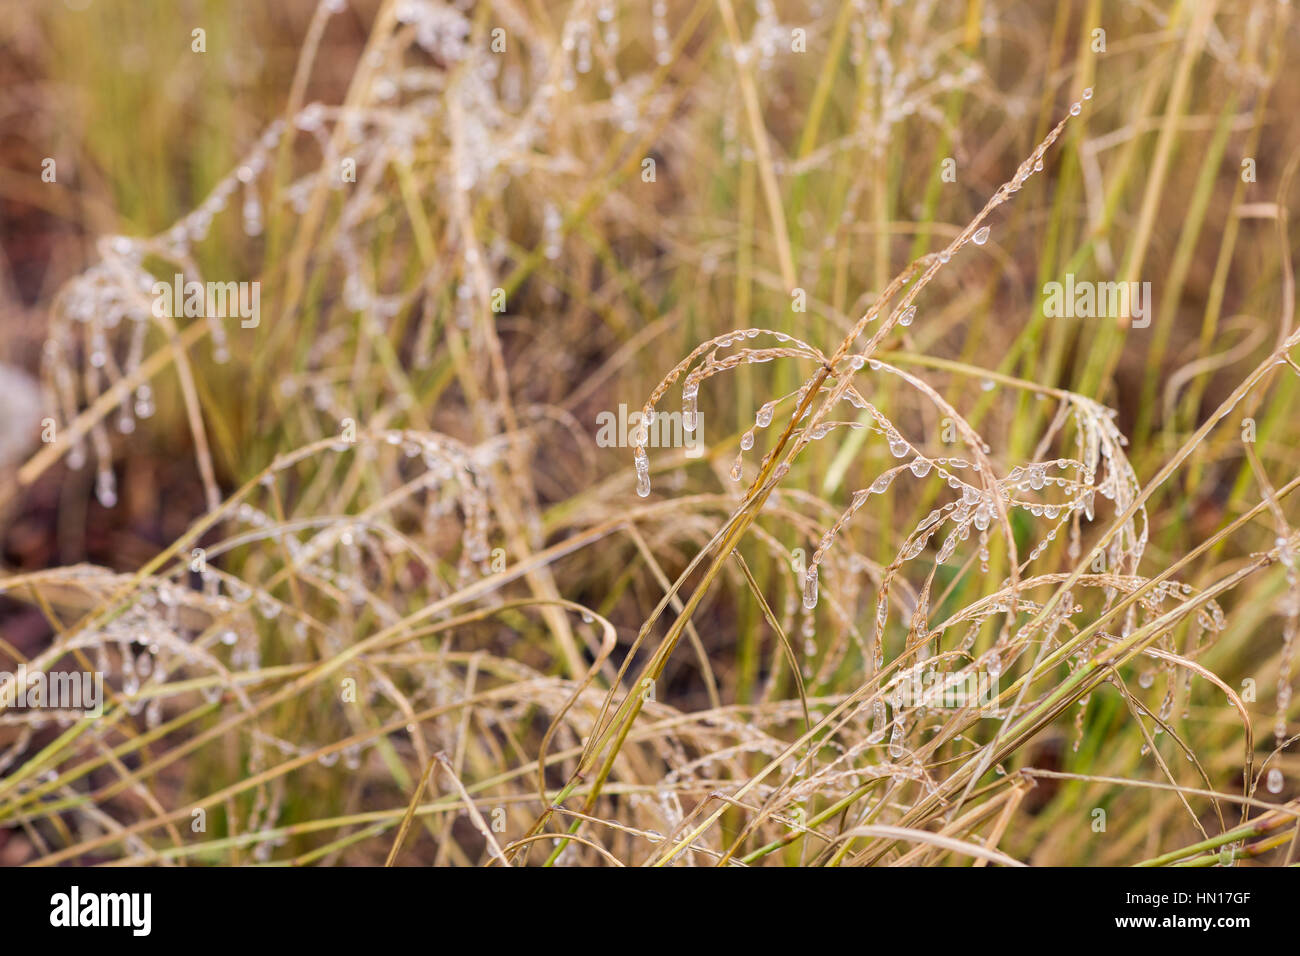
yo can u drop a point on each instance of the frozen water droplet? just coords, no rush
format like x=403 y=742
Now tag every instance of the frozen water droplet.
x=1273 y=780
x=896 y=739
x=268 y=607
x=810 y=588
x=878 y=718
x=106 y=488
x=643 y=482
x=252 y=216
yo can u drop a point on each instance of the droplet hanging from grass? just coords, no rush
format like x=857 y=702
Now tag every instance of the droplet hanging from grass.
x=1273 y=781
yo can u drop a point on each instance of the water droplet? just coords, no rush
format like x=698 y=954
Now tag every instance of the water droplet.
x=268 y=606
x=1273 y=780
x=878 y=718
x=642 y=472
x=106 y=488
x=896 y=739
x=1076 y=109
x=981 y=236
x=252 y=216
x=810 y=588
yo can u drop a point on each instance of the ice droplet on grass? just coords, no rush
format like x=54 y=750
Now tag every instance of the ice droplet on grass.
x=642 y=473
x=1273 y=781
x=810 y=588
x=878 y=718
x=896 y=739
x=106 y=488
x=690 y=396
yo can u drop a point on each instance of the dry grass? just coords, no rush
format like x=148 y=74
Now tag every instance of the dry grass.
x=415 y=613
